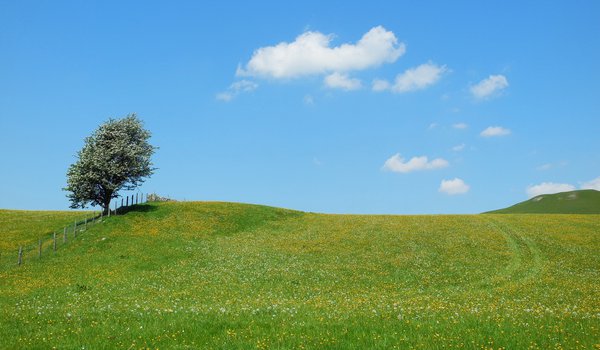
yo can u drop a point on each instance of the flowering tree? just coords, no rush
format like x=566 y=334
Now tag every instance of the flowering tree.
x=115 y=157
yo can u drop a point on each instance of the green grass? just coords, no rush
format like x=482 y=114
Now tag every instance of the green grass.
x=573 y=202
x=22 y=228
x=234 y=276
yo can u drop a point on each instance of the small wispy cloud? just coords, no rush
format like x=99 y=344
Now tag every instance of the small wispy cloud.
x=308 y=100
x=412 y=79
x=454 y=187
x=489 y=87
x=235 y=89
x=398 y=164
x=342 y=81
x=379 y=85
x=460 y=126
x=544 y=167
x=459 y=148
x=549 y=166
x=495 y=131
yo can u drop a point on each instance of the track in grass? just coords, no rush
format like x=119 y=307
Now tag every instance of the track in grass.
x=526 y=262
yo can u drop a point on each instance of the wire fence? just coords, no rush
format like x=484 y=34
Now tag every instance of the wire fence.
x=51 y=242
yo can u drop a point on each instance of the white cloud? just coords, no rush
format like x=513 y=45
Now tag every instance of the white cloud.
x=342 y=81
x=592 y=184
x=418 y=78
x=490 y=86
x=454 y=186
x=433 y=126
x=413 y=79
x=312 y=54
x=243 y=86
x=544 y=167
x=397 y=164
x=380 y=85
x=235 y=89
x=459 y=148
x=224 y=96
x=460 y=126
x=548 y=188
x=493 y=131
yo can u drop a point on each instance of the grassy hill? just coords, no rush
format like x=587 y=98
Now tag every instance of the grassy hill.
x=573 y=202
x=235 y=276
x=21 y=227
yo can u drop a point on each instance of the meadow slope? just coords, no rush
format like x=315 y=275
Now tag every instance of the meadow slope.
x=22 y=227
x=234 y=276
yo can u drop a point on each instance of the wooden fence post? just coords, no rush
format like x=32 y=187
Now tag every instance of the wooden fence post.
x=39 y=248
x=115 y=207
x=20 y=260
x=75 y=229
x=127 y=201
x=85 y=223
x=136 y=198
x=54 y=238
x=65 y=235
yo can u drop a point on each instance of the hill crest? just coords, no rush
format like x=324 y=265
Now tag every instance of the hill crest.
x=572 y=202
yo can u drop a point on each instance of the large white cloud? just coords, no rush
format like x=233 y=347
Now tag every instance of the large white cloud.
x=592 y=184
x=489 y=86
x=454 y=186
x=342 y=81
x=412 y=79
x=398 y=164
x=494 y=131
x=311 y=54
x=548 y=188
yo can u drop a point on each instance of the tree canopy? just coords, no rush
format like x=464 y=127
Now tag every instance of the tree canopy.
x=117 y=156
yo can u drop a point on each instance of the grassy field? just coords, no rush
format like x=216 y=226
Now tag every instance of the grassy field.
x=22 y=228
x=234 y=276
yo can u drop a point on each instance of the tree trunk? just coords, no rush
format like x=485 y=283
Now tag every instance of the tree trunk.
x=106 y=204
x=106 y=207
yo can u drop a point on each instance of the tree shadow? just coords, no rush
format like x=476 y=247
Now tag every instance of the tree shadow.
x=139 y=208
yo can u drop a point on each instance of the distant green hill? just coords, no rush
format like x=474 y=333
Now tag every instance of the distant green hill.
x=573 y=202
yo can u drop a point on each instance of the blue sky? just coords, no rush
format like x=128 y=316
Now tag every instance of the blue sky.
x=363 y=107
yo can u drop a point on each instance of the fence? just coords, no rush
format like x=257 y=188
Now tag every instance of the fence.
x=50 y=243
